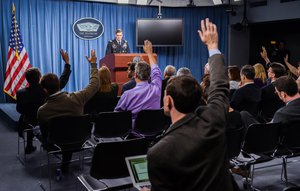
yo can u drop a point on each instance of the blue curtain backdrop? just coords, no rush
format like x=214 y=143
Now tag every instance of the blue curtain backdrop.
x=46 y=26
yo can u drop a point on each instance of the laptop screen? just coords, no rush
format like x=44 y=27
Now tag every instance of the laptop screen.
x=139 y=168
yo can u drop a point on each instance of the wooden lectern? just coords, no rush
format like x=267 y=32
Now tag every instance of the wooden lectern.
x=117 y=64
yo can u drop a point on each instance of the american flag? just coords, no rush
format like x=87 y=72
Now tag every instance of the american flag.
x=17 y=60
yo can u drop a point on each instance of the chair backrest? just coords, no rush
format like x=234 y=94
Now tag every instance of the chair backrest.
x=151 y=122
x=262 y=138
x=291 y=134
x=67 y=130
x=95 y=106
x=234 y=141
x=113 y=124
x=109 y=157
x=30 y=112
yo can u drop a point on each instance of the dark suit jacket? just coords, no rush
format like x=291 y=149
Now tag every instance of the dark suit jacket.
x=31 y=98
x=247 y=98
x=28 y=101
x=67 y=104
x=128 y=85
x=289 y=112
x=270 y=102
x=114 y=47
x=103 y=101
x=192 y=154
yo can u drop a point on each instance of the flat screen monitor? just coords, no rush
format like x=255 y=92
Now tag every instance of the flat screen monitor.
x=161 y=32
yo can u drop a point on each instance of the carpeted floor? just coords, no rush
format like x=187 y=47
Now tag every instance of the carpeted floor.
x=33 y=177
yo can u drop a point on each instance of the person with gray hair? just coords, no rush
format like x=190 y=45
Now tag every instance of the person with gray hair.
x=143 y=71
x=168 y=73
x=184 y=71
x=145 y=95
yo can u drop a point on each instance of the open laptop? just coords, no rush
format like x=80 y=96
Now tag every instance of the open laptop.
x=138 y=170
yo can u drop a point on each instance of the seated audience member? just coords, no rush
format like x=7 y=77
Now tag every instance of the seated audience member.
x=287 y=90
x=248 y=96
x=106 y=93
x=184 y=71
x=29 y=99
x=270 y=102
x=234 y=77
x=260 y=78
x=205 y=83
x=168 y=73
x=234 y=117
x=294 y=70
x=144 y=95
x=192 y=155
x=130 y=74
x=64 y=103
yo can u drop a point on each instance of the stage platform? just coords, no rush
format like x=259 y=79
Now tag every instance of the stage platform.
x=9 y=114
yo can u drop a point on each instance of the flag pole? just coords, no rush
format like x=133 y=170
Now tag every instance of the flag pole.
x=13 y=9
x=16 y=32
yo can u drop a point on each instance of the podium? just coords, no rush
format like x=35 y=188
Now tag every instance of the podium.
x=117 y=64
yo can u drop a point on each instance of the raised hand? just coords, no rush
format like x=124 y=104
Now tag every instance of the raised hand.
x=65 y=56
x=209 y=34
x=93 y=58
x=148 y=47
x=263 y=53
x=286 y=58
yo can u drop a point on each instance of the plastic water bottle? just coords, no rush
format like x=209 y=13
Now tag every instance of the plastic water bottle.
x=58 y=174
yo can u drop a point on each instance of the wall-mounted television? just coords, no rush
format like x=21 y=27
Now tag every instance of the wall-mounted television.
x=161 y=32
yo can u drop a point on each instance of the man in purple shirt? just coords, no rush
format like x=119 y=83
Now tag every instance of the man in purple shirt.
x=144 y=95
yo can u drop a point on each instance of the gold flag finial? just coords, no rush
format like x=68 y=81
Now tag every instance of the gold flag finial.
x=13 y=8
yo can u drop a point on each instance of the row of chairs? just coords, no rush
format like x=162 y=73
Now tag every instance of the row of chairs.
x=149 y=123
x=108 y=158
x=262 y=143
x=74 y=133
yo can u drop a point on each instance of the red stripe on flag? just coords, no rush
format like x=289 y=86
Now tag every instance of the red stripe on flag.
x=11 y=64
x=14 y=75
x=7 y=74
x=20 y=82
x=9 y=53
x=21 y=64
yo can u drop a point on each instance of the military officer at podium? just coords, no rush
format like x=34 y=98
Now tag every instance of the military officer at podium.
x=117 y=45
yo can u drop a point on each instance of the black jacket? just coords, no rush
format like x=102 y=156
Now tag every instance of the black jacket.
x=247 y=98
x=31 y=98
x=114 y=47
x=192 y=153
